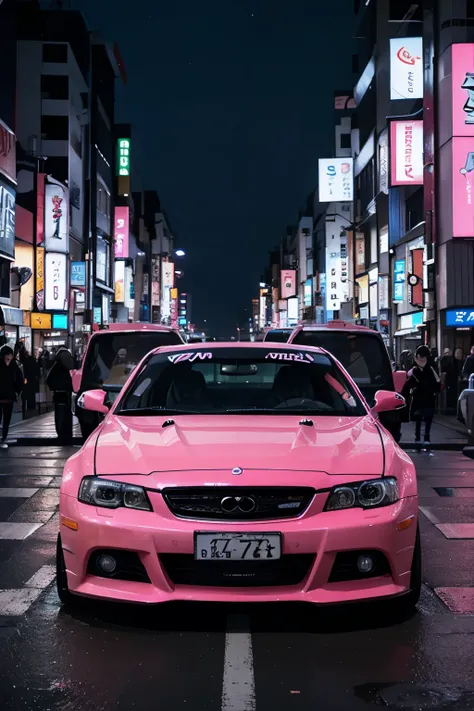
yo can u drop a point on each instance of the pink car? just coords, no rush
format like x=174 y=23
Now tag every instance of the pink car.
x=240 y=472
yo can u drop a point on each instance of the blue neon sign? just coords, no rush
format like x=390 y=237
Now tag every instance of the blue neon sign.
x=399 y=276
x=458 y=318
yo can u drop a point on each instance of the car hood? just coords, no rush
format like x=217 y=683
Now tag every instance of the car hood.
x=334 y=445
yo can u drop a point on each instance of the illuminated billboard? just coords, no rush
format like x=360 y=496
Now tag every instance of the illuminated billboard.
x=121 y=232
x=123 y=157
x=336 y=180
x=406 y=154
x=406 y=68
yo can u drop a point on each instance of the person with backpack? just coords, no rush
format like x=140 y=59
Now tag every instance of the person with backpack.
x=59 y=381
x=421 y=389
x=11 y=386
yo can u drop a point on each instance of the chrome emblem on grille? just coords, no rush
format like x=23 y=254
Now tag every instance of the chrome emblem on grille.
x=244 y=504
x=236 y=471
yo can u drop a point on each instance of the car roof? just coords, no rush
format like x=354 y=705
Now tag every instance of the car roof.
x=256 y=345
x=335 y=326
x=133 y=328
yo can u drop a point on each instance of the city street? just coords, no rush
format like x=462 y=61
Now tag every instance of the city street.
x=232 y=658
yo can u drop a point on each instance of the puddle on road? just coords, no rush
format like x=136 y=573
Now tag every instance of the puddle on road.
x=415 y=697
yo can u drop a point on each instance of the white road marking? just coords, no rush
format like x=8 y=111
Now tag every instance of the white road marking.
x=238 y=684
x=13 y=493
x=17 y=602
x=429 y=515
x=10 y=531
x=25 y=478
x=42 y=578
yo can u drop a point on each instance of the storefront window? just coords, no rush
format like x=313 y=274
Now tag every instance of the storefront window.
x=11 y=336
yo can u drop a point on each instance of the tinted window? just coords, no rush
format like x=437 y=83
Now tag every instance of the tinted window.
x=111 y=357
x=55 y=128
x=54 y=86
x=241 y=381
x=55 y=53
x=278 y=336
x=363 y=355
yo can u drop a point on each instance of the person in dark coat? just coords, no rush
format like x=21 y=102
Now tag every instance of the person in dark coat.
x=11 y=385
x=31 y=374
x=468 y=368
x=59 y=380
x=449 y=375
x=421 y=389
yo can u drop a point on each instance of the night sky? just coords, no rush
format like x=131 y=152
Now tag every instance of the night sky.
x=232 y=104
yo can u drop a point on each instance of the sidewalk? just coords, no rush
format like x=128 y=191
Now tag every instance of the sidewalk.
x=39 y=428
x=446 y=432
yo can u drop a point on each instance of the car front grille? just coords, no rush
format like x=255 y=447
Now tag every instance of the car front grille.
x=238 y=503
x=183 y=569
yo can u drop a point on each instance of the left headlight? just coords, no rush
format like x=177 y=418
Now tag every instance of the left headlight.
x=113 y=494
x=366 y=494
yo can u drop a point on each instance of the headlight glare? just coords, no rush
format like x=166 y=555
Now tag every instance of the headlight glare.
x=365 y=494
x=113 y=494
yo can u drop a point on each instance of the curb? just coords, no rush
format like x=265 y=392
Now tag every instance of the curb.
x=44 y=442
x=434 y=446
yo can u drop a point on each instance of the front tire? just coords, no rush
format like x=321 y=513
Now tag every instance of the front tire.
x=61 y=576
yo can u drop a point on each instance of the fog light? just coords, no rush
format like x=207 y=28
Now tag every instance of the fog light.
x=365 y=564
x=107 y=563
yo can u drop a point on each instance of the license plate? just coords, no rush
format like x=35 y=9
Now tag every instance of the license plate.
x=257 y=547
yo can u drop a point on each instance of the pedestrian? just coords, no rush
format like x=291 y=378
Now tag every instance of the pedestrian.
x=59 y=381
x=421 y=389
x=468 y=368
x=449 y=378
x=31 y=374
x=11 y=385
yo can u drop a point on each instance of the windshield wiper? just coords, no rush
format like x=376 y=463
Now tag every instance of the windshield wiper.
x=157 y=410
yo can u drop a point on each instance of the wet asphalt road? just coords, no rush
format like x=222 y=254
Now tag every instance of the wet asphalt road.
x=188 y=657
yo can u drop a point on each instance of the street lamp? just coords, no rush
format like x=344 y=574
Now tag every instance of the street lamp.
x=180 y=252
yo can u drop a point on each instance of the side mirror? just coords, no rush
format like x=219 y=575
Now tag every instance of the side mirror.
x=387 y=401
x=76 y=376
x=399 y=380
x=94 y=401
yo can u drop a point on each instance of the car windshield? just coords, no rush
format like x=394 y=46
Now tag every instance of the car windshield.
x=363 y=355
x=111 y=357
x=241 y=381
x=278 y=336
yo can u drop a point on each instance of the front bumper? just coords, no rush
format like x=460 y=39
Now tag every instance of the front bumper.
x=316 y=533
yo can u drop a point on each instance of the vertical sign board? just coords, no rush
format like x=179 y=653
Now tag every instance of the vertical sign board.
x=336 y=180
x=56 y=217
x=7 y=219
x=56 y=282
x=121 y=232
x=406 y=139
x=123 y=157
x=78 y=274
x=399 y=277
x=462 y=77
x=40 y=278
x=288 y=283
x=406 y=68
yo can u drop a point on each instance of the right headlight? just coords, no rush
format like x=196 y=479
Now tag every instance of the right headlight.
x=113 y=494
x=365 y=494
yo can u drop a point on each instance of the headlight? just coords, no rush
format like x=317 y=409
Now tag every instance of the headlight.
x=365 y=494
x=113 y=494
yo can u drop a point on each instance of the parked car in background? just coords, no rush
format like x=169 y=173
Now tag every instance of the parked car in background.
x=240 y=472
x=363 y=354
x=111 y=355
x=278 y=335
